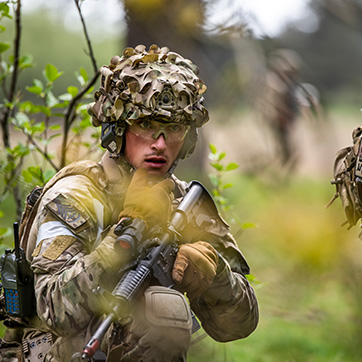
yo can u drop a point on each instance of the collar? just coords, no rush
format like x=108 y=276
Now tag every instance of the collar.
x=118 y=172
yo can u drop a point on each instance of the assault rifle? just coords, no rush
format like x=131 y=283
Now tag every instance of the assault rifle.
x=154 y=257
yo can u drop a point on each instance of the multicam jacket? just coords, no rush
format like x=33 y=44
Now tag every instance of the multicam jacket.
x=71 y=252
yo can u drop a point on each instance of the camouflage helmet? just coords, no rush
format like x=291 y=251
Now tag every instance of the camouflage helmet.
x=156 y=83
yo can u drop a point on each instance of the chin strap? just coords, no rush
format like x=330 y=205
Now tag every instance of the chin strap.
x=172 y=168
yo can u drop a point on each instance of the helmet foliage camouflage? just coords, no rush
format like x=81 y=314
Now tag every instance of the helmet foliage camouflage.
x=156 y=83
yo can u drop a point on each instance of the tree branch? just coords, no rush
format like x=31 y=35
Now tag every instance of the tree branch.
x=70 y=117
x=12 y=179
x=44 y=154
x=89 y=44
x=14 y=77
x=70 y=111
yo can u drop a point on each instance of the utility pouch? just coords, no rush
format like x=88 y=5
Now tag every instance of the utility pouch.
x=17 y=281
x=35 y=349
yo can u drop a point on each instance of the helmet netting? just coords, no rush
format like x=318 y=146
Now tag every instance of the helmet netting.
x=154 y=83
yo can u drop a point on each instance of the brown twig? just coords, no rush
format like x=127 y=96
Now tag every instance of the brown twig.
x=43 y=153
x=14 y=78
x=11 y=96
x=89 y=44
x=70 y=115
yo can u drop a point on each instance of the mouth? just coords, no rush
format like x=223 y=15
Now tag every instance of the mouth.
x=156 y=161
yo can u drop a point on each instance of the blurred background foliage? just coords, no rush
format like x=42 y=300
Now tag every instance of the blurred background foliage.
x=307 y=268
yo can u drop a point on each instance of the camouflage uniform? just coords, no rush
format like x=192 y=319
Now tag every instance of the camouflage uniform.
x=71 y=239
x=71 y=253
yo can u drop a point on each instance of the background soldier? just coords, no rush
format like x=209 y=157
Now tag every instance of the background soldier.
x=150 y=107
x=282 y=98
x=280 y=105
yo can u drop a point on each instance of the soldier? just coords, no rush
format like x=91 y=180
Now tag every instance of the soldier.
x=279 y=102
x=150 y=107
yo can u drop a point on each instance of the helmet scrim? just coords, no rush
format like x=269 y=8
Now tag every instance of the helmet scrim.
x=156 y=83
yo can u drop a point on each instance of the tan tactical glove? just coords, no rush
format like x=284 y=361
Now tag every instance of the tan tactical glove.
x=148 y=200
x=195 y=268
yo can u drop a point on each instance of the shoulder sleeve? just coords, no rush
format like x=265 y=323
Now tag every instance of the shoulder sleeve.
x=79 y=205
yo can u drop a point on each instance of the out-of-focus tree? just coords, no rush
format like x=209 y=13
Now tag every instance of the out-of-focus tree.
x=180 y=25
x=331 y=49
x=348 y=11
x=176 y=22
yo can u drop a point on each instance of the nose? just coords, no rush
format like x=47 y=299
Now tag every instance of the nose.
x=159 y=144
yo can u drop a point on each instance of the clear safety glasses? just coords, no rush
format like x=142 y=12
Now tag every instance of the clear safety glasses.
x=151 y=130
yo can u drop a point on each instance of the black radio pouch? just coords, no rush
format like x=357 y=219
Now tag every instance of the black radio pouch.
x=17 y=281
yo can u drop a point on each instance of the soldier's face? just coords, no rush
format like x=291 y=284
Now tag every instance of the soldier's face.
x=155 y=155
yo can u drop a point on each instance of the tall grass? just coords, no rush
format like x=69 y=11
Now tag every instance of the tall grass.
x=309 y=272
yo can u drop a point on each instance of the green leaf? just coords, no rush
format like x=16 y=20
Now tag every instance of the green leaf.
x=214 y=180
x=212 y=148
x=35 y=90
x=54 y=136
x=51 y=73
x=227 y=186
x=216 y=193
x=21 y=120
x=83 y=73
x=4 y=10
x=82 y=76
x=221 y=156
x=73 y=91
x=3 y=231
x=248 y=225
x=27 y=176
x=4 y=66
x=35 y=171
x=48 y=174
x=38 y=83
x=217 y=166
x=55 y=127
x=26 y=61
x=38 y=127
x=27 y=107
x=22 y=149
x=46 y=110
x=4 y=47
x=2 y=28
x=51 y=100
x=232 y=166
x=252 y=279
x=65 y=97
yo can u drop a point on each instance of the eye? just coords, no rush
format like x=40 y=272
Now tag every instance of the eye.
x=145 y=124
x=174 y=128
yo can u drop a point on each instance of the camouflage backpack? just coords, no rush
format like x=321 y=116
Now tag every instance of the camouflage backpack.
x=347 y=173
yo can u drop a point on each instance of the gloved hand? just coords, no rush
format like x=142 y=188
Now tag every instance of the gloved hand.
x=148 y=200
x=195 y=268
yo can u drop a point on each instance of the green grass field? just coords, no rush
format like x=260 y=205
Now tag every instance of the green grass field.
x=308 y=272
